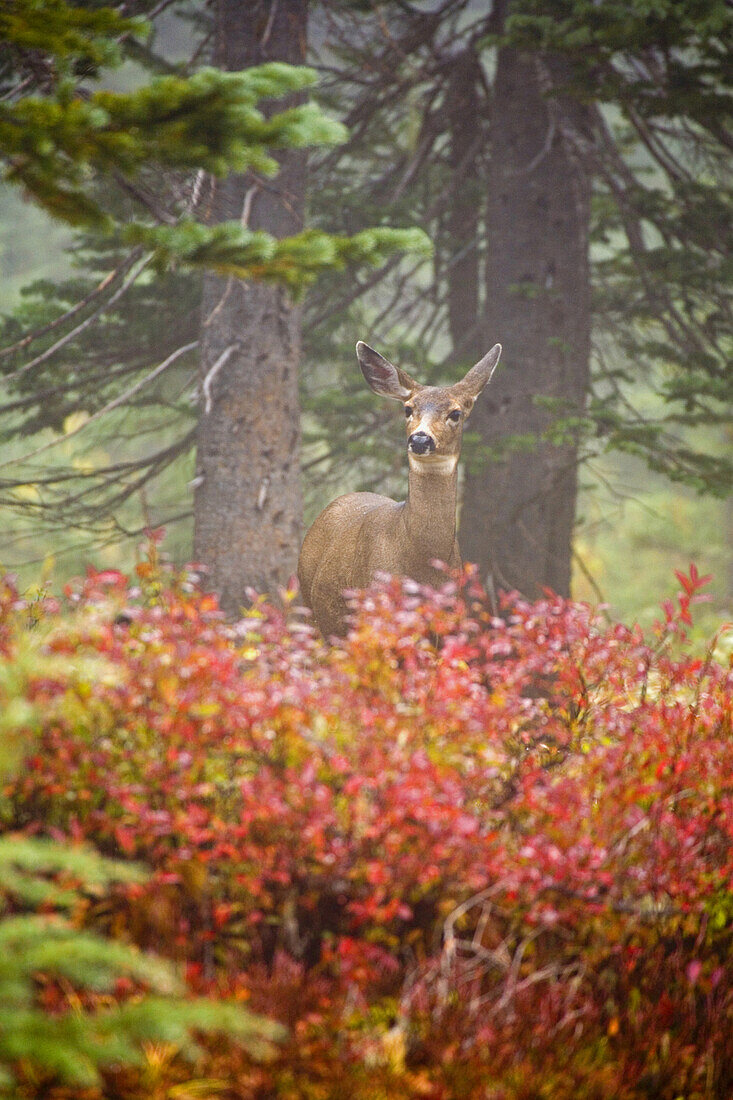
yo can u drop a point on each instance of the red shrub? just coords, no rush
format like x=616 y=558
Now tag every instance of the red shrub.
x=460 y=855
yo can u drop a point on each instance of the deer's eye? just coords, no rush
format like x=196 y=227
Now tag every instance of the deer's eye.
x=409 y=411
x=454 y=416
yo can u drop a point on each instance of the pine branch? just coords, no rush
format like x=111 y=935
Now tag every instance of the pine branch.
x=113 y=404
x=78 y=307
x=88 y=321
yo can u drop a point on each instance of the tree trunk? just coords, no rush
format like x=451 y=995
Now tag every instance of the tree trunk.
x=519 y=510
x=247 y=507
x=463 y=111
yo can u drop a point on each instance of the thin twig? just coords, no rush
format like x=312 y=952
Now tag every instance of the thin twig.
x=211 y=374
x=30 y=337
x=115 y=403
x=49 y=352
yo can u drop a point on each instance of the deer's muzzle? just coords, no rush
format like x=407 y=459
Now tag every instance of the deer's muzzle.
x=420 y=443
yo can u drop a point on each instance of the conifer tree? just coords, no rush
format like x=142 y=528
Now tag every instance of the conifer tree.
x=130 y=170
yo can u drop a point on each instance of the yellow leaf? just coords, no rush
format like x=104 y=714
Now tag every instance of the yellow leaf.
x=203 y=1088
x=83 y=465
x=27 y=492
x=74 y=421
x=205 y=710
x=167 y=686
x=394 y=1047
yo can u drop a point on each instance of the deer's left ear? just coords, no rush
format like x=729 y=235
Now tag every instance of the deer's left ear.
x=479 y=375
x=382 y=376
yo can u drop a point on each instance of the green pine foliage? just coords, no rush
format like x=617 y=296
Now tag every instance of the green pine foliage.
x=27 y=862
x=208 y=120
x=51 y=141
x=127 y=168
x=75 y=1047
x=231 y=249
x=54 y=142
x=66 y=33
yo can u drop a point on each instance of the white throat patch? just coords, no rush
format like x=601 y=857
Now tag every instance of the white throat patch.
x=432 y=464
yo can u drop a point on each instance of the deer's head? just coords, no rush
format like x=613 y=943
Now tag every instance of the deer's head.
x=434 y=415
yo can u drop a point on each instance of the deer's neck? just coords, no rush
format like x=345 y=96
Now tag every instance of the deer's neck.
x=430 y=510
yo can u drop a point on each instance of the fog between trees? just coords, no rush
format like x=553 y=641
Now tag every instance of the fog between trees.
x=570 y=170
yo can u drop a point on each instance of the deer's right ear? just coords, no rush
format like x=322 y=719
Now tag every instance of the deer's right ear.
x=381 y=375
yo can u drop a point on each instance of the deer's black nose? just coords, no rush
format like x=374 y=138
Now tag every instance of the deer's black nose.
x=420 y=443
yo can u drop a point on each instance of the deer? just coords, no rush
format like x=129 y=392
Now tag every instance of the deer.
x=360 y=534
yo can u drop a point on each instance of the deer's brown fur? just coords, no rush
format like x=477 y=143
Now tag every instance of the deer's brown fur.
x=360 y=534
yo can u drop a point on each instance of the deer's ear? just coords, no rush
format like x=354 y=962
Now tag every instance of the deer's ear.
x=480 y=374
x=382 y=376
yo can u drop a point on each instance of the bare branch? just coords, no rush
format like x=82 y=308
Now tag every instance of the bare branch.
x=208 y=381
x=115 y=403
x=75 y=309
x=85 y=324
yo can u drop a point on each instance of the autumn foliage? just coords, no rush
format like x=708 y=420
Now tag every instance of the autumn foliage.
x=468 y=853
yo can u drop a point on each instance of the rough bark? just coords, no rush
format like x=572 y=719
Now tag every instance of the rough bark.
x=518 y=513
x=248 y=497
x=463 y=220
